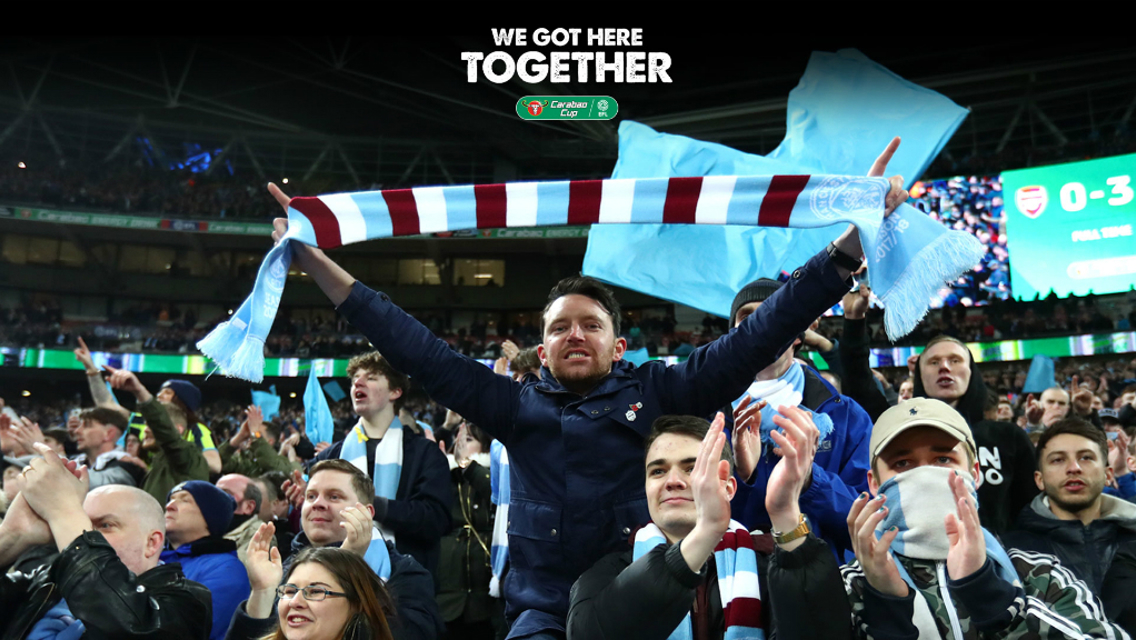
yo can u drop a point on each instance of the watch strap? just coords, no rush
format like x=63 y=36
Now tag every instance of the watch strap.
x=801 y=531
x=842 y=259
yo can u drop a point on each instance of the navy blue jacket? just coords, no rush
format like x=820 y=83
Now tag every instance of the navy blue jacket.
x=214 y=563
x=577 y=461
x=840 y=469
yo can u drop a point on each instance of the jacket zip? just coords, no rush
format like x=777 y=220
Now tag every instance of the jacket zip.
x=944 y=593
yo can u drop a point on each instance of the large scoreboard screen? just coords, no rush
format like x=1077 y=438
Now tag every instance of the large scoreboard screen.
x=1069 y=227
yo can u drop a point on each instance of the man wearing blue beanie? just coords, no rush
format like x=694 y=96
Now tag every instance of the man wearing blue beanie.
x=197 y=516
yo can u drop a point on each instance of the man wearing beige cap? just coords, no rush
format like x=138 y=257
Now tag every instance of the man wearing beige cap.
x=925 y=566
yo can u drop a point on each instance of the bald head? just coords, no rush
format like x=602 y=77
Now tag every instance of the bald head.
x=1055 y=401
x=132 y=522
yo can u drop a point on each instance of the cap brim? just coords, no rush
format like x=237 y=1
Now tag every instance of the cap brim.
x=927 y=422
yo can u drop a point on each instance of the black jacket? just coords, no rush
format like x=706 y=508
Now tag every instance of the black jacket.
x=420 y=513
x=802 y=595
x=1102 y=554
x=112 y=603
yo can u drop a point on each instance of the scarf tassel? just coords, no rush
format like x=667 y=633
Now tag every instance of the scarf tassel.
x=935 y=264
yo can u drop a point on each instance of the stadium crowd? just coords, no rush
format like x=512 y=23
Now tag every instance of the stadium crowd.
x=567 y=493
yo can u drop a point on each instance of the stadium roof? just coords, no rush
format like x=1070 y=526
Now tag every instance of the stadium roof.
x=398 y=111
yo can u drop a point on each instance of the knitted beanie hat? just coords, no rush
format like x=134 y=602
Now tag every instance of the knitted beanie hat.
x=216 y=506
x=186 y=391
x=757 y=291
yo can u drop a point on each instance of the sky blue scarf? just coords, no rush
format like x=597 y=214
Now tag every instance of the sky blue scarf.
x=388 y=461
x=789 y=390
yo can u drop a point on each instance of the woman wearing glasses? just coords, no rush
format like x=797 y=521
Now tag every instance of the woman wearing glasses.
x=328 y=594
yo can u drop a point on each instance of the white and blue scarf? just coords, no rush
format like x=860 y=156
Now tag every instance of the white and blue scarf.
x=797 y=201
x=388 y=461
x=378 y=556
x=499 y=487
x=789 y=391
x=736 y=562
x=917 y=502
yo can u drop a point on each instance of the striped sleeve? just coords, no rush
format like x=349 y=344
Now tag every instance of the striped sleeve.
x=1057 y=603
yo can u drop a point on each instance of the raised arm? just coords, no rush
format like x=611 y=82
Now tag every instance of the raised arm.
x=458 y=382
x=331 y=278
x=854 y=353
x=720 y=371
x=99 y=391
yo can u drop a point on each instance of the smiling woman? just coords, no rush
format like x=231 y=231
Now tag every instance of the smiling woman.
x=328 y=594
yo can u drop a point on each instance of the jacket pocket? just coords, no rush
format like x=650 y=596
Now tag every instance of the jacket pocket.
x=535 y=531
x=630 y=515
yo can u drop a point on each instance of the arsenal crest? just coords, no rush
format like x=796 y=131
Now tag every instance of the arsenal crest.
x=1031 y=201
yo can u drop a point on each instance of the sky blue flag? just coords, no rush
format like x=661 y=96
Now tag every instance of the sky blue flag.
x=317 y=415
x=334 y=390
x=841 y=115
x=268 y=402
x=1041 y=375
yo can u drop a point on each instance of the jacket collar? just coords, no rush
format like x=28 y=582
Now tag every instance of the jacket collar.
x=1114 y=511
x=817 y=390
x=301 y=542
x=203 y=546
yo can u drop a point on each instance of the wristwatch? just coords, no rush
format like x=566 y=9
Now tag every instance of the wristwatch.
x=801 y=531
x=842 y=259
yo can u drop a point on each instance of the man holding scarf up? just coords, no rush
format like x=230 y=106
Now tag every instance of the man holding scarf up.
x=569 y=506
x=926 y=568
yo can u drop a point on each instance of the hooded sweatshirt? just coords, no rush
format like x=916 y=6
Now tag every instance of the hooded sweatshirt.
x=1102 y=554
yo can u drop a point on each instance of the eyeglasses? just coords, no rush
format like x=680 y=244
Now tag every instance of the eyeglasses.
x=311 y=594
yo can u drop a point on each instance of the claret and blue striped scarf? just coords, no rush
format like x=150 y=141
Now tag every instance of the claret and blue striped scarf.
x=799 y=201
x=735 y=560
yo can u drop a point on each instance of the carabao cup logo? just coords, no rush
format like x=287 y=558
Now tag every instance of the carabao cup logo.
x=1031 y=200
x=535 y=108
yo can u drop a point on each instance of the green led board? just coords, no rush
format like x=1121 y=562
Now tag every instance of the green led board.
x=1069 y=227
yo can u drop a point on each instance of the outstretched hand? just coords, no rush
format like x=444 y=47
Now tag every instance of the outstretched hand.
x=83 y=355
x=294 y=489
x=262 y=561
x=896 y=195
x=127 y=381
x=856 y=303
x=849 y=242
x=708 y=480
x=1118 y=454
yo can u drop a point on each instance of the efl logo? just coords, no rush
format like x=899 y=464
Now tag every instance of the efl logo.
x=535 y=107
x=1031 y=200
